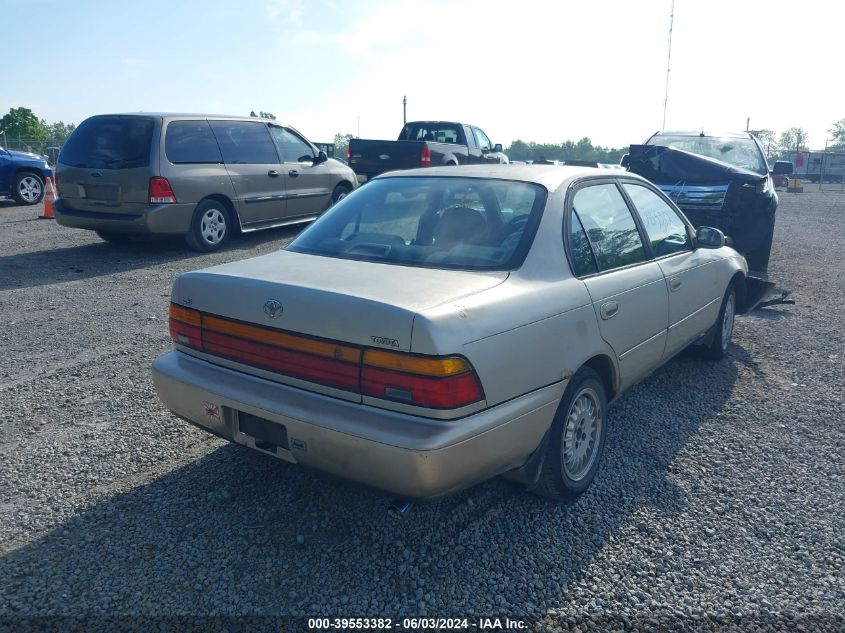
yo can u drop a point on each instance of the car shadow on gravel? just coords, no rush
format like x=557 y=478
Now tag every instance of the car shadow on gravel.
x=97 y=259
x=239 y=533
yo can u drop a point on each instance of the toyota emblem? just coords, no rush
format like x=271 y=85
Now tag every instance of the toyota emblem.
x=273 y=308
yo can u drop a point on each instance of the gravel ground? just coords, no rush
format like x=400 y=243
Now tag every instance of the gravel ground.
x=720 y=502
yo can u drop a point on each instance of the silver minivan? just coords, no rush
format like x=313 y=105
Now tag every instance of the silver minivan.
x=204 y=177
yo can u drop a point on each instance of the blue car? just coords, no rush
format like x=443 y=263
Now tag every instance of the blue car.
x=22 y=176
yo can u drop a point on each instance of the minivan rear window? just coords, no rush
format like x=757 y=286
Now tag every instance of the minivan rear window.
x=110 y=142
x=191 y=142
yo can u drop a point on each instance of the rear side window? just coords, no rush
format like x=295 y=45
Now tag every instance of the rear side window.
x=609 y=226
x=191 y=142
x=244 y=142
x=583 y=262
x=665 y=230
x=110 y=142
x=437 y=132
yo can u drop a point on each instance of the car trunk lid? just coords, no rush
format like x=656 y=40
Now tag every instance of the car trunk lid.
x=305 y=319
x=362 y=303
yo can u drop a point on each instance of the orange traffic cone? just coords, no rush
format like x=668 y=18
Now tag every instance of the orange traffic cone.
x=49 y=199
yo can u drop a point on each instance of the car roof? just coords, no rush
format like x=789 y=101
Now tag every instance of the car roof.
x=704 y=133
x=552 y=177
x=193 y=115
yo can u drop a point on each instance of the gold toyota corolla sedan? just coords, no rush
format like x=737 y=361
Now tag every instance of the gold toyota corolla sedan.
x=441 y=326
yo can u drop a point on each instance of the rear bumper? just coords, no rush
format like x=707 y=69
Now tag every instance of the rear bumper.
x=402 y=454
x=162 y=219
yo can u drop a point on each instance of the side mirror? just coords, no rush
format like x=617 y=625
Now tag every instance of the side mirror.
x=497 y=147
x=708 y=237
x=625 y=161
x=320 y=158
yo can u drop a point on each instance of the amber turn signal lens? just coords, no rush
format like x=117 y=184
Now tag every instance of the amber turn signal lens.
x=420 y=365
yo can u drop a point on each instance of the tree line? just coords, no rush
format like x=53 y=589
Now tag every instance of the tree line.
x=20 y=128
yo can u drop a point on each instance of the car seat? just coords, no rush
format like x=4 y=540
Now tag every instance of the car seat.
x=459 y=225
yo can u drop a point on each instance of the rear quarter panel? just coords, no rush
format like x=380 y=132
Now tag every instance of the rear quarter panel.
x=191 y=182
x=519 y=336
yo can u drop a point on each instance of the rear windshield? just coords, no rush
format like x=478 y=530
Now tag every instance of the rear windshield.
x=739 y=152
x=438 y=132
x=434 y=222
x=109 y=142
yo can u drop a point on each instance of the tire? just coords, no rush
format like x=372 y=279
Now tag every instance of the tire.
x=28 y=188
x=113 y=238
x=339 y=193
x=720 y=338
x=211 y=226
x=568 y=470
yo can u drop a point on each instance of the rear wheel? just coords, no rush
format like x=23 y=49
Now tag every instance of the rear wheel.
x=577 y=438
x=723 y=330
x=113 y=238
x=28 y=188
x=211 y=226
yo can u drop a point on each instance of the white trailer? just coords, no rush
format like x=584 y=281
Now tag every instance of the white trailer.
x=818 y=166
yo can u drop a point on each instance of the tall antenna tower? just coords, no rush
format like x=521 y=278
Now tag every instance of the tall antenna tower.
x=668 y=63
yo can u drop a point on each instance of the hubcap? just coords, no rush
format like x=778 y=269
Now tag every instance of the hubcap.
x=728 y=321
x=340 y=196
x=213 y=226
x=581 y=434
x=30 y=189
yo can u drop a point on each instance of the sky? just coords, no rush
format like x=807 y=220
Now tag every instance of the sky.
x=544 y=71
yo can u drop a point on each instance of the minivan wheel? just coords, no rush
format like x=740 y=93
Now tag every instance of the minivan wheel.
x=339 y=193
x=28 y=188
x=576 y=439
x=210 y=226
x=723 y=329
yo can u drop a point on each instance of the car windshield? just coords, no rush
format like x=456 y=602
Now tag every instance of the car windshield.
x=739 y=152
x=434 y=222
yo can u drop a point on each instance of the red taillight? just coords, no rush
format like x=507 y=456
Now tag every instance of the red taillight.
x=185 y=326
x=160 y=191
x=434 y=383
x=425 y=157
x=439 y=382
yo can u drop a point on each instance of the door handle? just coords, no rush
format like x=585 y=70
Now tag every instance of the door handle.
x=674 y=283
x=609 y=310
x=293 y=173
x=273 y=173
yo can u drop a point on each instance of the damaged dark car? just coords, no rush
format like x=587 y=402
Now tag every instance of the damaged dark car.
x=719 y=180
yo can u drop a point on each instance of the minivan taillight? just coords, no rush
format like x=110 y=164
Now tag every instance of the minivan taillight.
x=425 y=157
x=424 y=381
x=160 y=191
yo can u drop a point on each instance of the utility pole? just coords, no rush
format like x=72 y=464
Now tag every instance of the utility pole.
x=668 y=64
x=404 y=110
x=747 y=123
